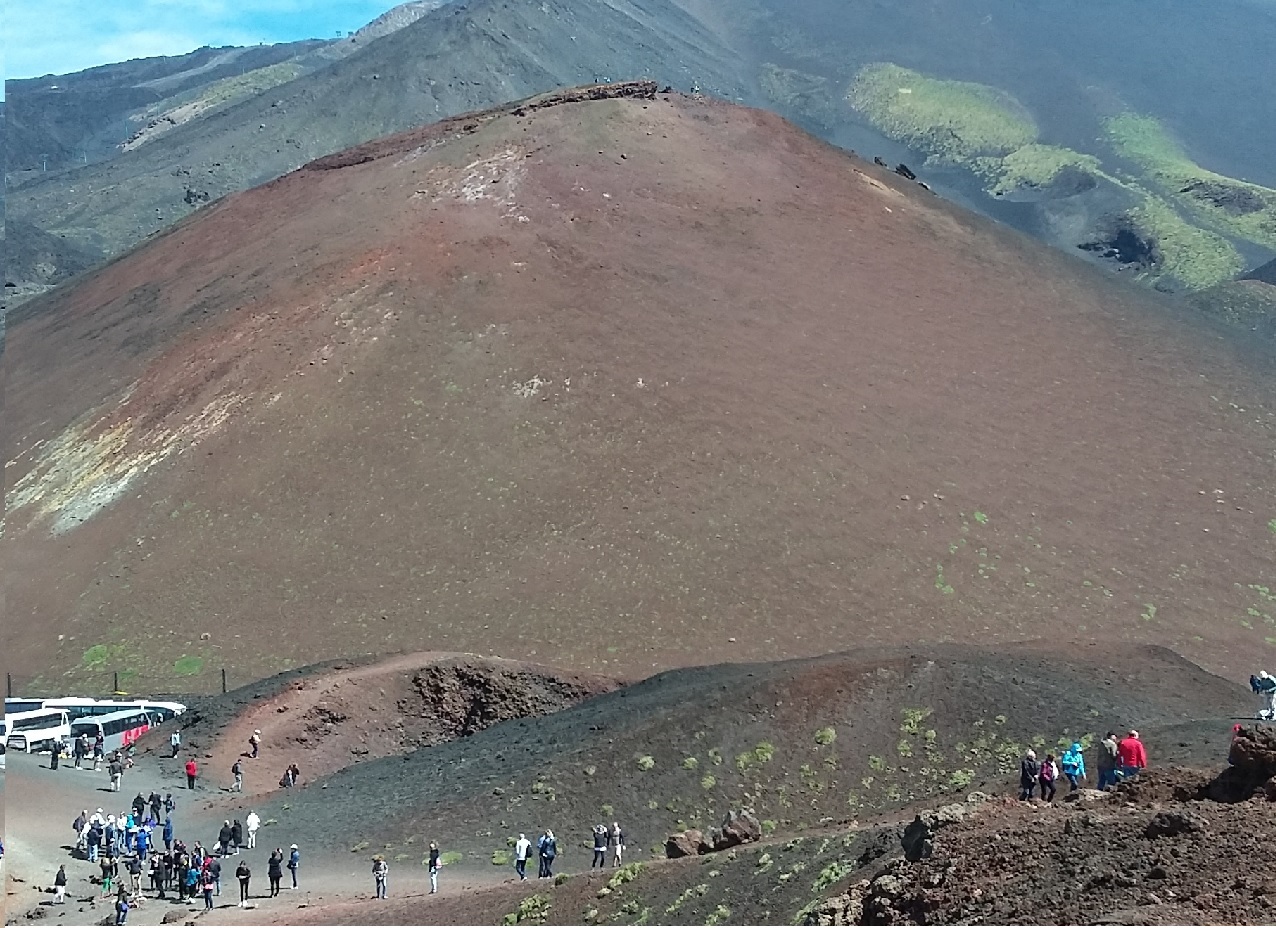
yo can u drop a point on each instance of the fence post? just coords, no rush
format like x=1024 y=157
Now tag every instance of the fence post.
x=8 y=685
x=223 y=680
x=115 y=682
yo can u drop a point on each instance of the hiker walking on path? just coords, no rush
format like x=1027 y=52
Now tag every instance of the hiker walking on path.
x=1073 y=763
x=435 y=862
x=59 y=885
x=192 y=771
x=600 y=847
x=1107 y=761
x=115 y=769
x=254 y=743
x=1131 y=755
x=275 y=870
x=243 y=874
x=1029 y=769
x=294 y=861
x=208 y=884
x=522 y=850
x=236 y=836
x=237 y=771
x=253 y=822
x=175 y=742
x=380 y=876
x=1049 y=773
x=617 y=844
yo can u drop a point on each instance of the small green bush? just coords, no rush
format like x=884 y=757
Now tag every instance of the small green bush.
x=826 y=736
x=646 y=762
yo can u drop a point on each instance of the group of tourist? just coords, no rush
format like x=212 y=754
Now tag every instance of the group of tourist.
x=125 y=851
x=1118 y=760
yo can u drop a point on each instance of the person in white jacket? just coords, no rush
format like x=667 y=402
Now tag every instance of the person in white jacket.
x=1264 y=685
x=252 y=823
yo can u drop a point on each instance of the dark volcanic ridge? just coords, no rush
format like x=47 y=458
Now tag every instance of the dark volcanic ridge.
x=626 y=384
x=831 y=757
x=802 y=743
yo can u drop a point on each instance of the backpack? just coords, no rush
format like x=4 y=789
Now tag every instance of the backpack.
x=1048 y=771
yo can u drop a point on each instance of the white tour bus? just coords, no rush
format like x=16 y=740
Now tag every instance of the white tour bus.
x=38 y=730
x=78 y=707
x=118 y=729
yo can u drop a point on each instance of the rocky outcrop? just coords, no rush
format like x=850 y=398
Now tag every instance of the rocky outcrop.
x=684 y=843
x=738 y=827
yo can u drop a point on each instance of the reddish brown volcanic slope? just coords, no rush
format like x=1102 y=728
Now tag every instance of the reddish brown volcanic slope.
x=623 y=385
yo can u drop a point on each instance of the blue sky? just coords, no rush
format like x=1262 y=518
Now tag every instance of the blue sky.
x=59 y=36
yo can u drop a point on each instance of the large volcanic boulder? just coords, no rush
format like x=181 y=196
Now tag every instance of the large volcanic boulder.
x=684 y=843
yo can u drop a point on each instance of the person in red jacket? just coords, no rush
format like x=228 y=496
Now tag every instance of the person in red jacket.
x=192 y=771
x=1131 y=755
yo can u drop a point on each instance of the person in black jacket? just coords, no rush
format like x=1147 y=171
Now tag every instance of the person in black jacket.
x=1029 y=770
x=243 y=874
x=275 y=870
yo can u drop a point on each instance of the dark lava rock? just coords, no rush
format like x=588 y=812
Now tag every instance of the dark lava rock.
x=1173 y=824
x=918 y=840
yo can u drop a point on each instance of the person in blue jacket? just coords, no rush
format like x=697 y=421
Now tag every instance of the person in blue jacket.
x=1073 y=763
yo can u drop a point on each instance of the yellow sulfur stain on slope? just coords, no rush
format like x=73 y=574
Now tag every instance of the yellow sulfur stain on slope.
x=91 y=464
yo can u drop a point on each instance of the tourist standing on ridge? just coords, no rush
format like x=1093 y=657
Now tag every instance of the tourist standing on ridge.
x=549 y=850
x=1028 y=771
x=1264 y=684
x=253 y=822
x=434 y=863
x=380 y=876
x=600 y=847
x=294 y=861
x=1073 y=763
x=243 y=874
x=1131 y=755
x=617 y=844
x=275 y=870
x=192 y=771
x=522 y=850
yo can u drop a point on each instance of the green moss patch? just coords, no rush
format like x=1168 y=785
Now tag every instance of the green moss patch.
x=188 y=666
x=1233 y=206
x=955 y=121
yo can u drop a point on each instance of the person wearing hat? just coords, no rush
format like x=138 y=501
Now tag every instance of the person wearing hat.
x=254 y=741
x=294 y=861
x=1131 y=755
x=380 y=875
x=1029 y=770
